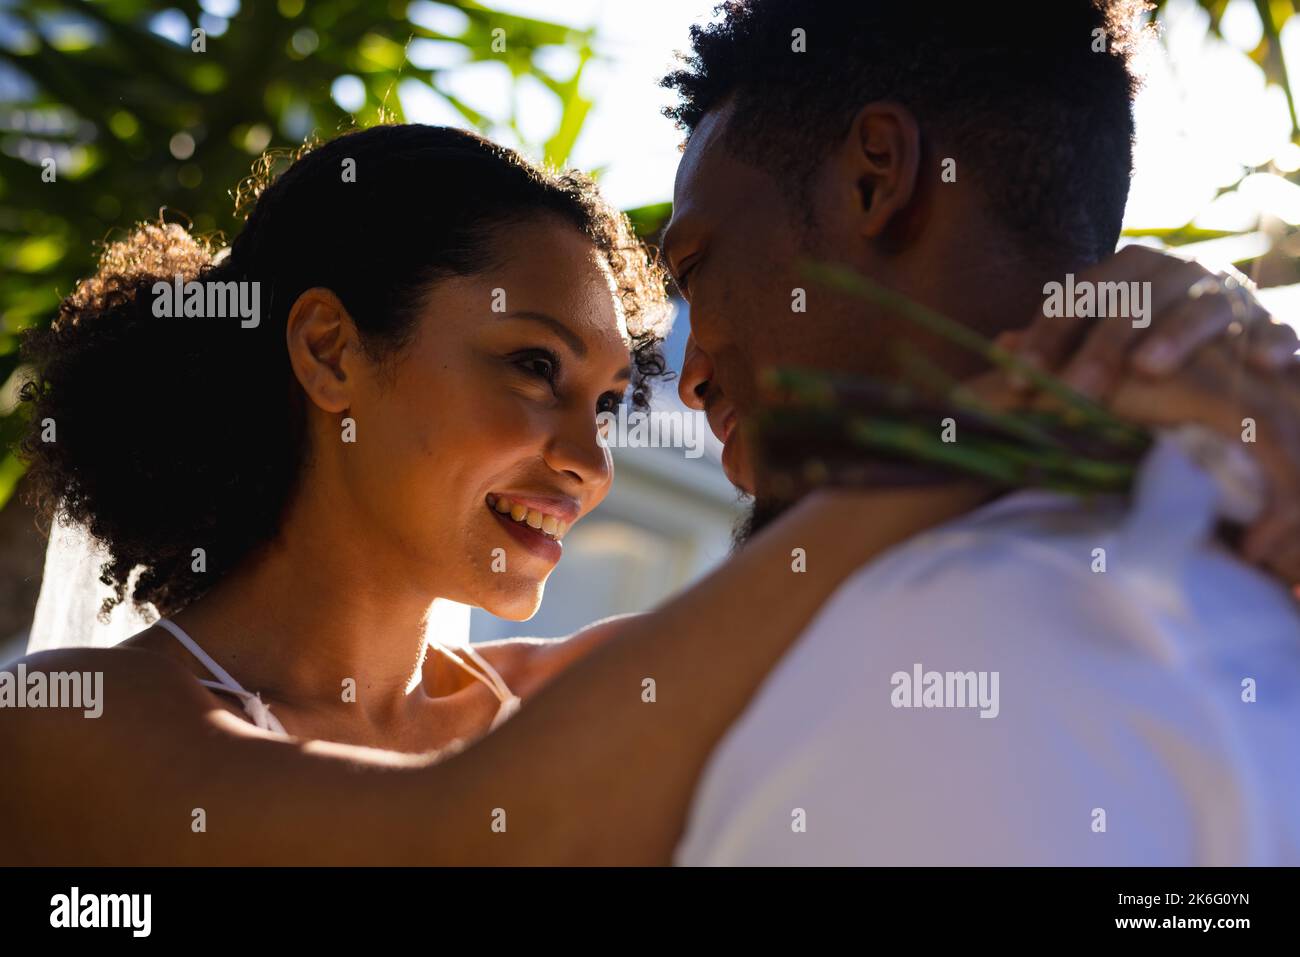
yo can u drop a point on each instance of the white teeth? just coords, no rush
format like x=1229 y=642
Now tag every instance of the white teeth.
x=546 y=524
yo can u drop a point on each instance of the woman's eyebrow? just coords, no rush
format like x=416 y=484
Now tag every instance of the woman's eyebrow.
x=571 y=338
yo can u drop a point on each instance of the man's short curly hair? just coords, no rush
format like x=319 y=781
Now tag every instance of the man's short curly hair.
x=1016 y=91
x=173 y=435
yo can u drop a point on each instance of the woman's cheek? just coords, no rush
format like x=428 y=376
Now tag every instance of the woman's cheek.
x=515 y=421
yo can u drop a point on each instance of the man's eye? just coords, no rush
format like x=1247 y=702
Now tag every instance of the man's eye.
x=684 y=273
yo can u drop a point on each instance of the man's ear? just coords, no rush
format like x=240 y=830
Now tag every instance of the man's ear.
x=324 y=348
x=884 y=145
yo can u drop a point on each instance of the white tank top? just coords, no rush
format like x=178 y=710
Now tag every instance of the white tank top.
x=260 y=712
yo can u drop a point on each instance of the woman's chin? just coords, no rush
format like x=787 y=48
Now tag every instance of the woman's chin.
x=519 y=604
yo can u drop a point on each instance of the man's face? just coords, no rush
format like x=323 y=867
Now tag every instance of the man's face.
x=733 y=245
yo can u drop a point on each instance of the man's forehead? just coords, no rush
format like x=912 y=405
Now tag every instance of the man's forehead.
x=707 y=177
x=703 y=152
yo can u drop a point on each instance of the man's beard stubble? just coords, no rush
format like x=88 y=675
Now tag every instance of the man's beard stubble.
x=760 y=514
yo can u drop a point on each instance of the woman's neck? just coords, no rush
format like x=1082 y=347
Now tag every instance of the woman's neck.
x=318 y=605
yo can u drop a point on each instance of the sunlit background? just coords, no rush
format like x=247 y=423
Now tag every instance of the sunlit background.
x=136 y=120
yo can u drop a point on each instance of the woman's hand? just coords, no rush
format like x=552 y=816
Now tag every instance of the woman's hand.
x=1210 y=355
x=1259 y=409
x=1190 y=307
x=1215 y=386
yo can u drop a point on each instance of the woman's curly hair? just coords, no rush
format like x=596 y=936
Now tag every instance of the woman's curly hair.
x=175 y=434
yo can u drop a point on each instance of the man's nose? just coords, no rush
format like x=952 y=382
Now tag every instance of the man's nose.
x=697 y=370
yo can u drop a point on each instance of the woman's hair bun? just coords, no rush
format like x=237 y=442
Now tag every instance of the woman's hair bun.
x=149 y=430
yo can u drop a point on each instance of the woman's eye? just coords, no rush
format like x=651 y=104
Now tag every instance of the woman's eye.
x=609 y=402
x=541 y=366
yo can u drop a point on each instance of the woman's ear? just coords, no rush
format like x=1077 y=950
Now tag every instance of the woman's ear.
x=324 y=348
x=884 y=146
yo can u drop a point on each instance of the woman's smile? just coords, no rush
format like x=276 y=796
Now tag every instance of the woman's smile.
x=536 y=522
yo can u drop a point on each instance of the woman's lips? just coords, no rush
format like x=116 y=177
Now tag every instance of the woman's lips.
x=537 y=522
x=533 y=540
x=554 y=513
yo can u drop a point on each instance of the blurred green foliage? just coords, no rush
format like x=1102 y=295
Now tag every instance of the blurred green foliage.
x=1280 y=265
x=1273 y=15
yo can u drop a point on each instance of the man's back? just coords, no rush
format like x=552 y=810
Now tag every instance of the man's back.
x=987 y=694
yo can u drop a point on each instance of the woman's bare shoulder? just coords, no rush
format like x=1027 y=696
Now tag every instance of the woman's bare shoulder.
x=76 y=721
x=70 y=698
x=130 y=664
x=526 y=664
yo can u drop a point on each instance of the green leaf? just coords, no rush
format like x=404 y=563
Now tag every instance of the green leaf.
x=574 y=115
x=648 y=221
x=11 y=470
x=1180 y=235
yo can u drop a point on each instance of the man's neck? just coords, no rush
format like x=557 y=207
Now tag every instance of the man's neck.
x=989 y=290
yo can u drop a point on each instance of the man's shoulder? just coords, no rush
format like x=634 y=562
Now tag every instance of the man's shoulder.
x=1011 y=563
x=1047 y=615
x=1035 y=559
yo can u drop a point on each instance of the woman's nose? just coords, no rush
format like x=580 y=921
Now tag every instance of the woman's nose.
x=578 y=452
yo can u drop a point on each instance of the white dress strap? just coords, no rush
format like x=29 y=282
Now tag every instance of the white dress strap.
x=256 y=708
x=489 y=676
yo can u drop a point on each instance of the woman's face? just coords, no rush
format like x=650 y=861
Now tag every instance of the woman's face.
x=478 y=449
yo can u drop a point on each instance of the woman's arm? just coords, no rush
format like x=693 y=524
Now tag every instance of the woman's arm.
x=588 y=771
x=528 y=664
